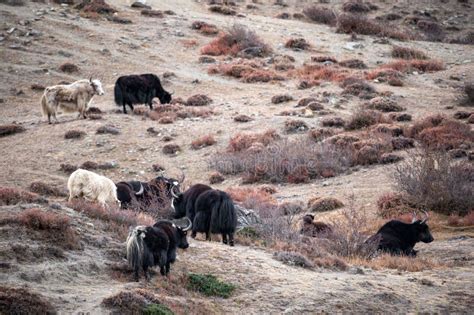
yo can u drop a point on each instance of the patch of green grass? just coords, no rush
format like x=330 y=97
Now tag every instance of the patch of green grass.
x=209 y=285
x=157 y=309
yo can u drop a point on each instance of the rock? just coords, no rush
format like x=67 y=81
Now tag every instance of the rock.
x=140 y=5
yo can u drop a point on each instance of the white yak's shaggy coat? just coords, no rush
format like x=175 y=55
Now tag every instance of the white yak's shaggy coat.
x=92 y=187
x=73 y=97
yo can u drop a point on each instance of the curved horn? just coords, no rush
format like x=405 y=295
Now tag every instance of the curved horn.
x=141 y=190
x=414 y=219
x=184 y=223
x=426 y=217
x=190 y=224
x=182 y=178
x=173 y=193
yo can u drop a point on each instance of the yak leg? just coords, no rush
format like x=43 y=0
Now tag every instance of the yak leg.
x=231 y=239
x=131 y=106
x=124 y=108
x=135 y=275
x=193 y=234
x=208 y=236
x=224 y=238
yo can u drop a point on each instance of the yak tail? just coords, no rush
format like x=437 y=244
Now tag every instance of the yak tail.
x=223 y=217
x=136 y=248
x=118 y=94
x=44 y=105
x=201 y=222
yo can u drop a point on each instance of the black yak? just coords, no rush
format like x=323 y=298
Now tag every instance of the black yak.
x=160 y=188
x=211 y=211
x=399 y=238
x=314 y=229
x=139 y=89
x=156 y=245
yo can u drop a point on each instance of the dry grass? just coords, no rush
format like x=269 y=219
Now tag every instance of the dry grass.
x=297 y=44
x=74 y=134
x=364 y=118
x=171 y=149
x=407 y=53
x=242 y=118
x=42 y=188
x=216 y=178
x=136 y=301
x=393 y=205
x=23 y=301
x=321 y=73
x=415 y=65
x=400 y=263
x=248 y=72
x=244 y=141
x=293 y=259
x=322 y=204
x=320 y=15
x=281 y=98
x=352 y=23
x=11 y=196
x=258 y=199
x=357 y=87
x=353 y=64
x=459 y=221
x=336 y=122
x=198 y=100
x=295 y=125
x=237 y=39
x=202 y=142
x=225 y=10
x=384 y=104
x=42 y=220
x=68 y=67
x=6 y=130
x=320 y=134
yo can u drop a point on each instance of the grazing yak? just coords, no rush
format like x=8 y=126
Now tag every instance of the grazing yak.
x=399 y=238
x=139 y=89
x=148 y=246
x=210 y=211
x=74 y=97
x=92 y=187
x=314 y=229
x=160 y=189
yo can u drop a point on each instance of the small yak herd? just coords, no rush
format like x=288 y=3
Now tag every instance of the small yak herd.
x=200 y=209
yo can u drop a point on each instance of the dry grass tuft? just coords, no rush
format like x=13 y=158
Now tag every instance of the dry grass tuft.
x=352 y=23
x=320 y=15
x=363 y=119
x=320 y=134
x=202 y=142
x=74 y=134
x=293 y=126
x=459 y=221
x=94 y=7
x=42 y=220
x=248 y=72
x=357 y=87
x=242 y=141
x=297 y=44
x=415 y=65
x=171 y=149
x=225 y=10
x=407 y=53
x=393 y=205
x=238 y=39
x=353 y=64
x=384 y=104
x=401 y=263
x=293 y=259
x=242 y=118
x=205 y=28
x=11 y=196
x=136 y=301
x=216 y=178
x=68 y=67
x=314 y=73
x=281 y=98
x=322 y=204
x=23 y=301
x=6 y=130
x=42 y=188
x=336 y=122
x=259 y=199
x=198 y=100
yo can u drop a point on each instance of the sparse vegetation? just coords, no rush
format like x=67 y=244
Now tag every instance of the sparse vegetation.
x=171 y=149
x=415 y=65
x=407 y=53
x=202 y=142
x=354 y=23
x=320 y=15
x=297 y=44
x=23 y=301
x=281 y=98
x=42 y=188
x=293 y=259
x=74 y=134
x=69 y=67
x=209 y=285
x=6 y=130
x=198 y=100
x=244 y=141
x=321 y=204
x=11 y=196
x=136 y=301
x=363 y=119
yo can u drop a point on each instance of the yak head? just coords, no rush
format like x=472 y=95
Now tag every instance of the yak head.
x=165 y=97
x=422 y=230
x=182 y=227
x=97 y=86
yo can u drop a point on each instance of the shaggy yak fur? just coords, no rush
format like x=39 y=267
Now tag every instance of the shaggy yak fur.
x=92 y=187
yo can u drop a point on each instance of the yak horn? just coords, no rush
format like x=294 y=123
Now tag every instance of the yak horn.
x=182 y=178
x=184 y=224
x=414 y=219
x=173 y=193
x=141 y=190
x=426 y=217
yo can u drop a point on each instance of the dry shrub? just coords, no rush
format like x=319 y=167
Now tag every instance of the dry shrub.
x=400 y=116
x=293 y=259
x=23 y=301
x=11 y=196
x=352 y=23
x=95 y=6
x=74 y=134
x=401 y=143
x=297 y=44
x=464 y=39
x=136 y=301
x=6 y=130
x=336 y=122
x=216 y=178
x=353 y=64
x=242 y=118
x=68 y=168
x=242 y=141
x=298 y=160
x=225 y=10
x=459 y=221
x=68 y=67
x=469 y=90
x=355 y=7
x=152 y=13
x=42 y=220
x=431 y=180
x=320 y=134
x=393 y=205
x=37 y=87
x=384 y=104
x=306 y=84
x=415 y=65
x=42 y=188
x=448 y=135
x=320 y=15
x=313 y=73
x=323 y=59
x=407 y=53
x=389 y=129
x=281 y=98
x=198 y=100
x=363 y=119
x=384 y=75
x=237 y=39
x=258 y=199
x=357 y=87
x=401 y=263
x=322 y=204
x=306 y=101
x=249 y=72
x=292 y=126
x=171 y=149
x=202 y=142
x=432 y=31
x=205 y=28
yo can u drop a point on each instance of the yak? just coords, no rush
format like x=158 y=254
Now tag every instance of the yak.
x=156 y=245
x=399 y=238
x=139 y=89
x=210 y=210
x=92 y=186
x=312 y=228
x=161 y=188
x=74 y=97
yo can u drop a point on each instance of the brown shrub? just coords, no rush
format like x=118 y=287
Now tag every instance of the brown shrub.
x=363 y=119
x=432 y=31
x=74 y=134
x=395 y=82
x=242 y=118
x=306 y=84
x=241 y=142
x=247 y=72
x=415 y=64
x=392 y=130
x=321 y=204
x=320 y=134
x=297 y=44
x=6 y=130
x=352 y=23
x=292 y=126
x=355 y=7
x=400 y=143
x=202 y=142
x=42 y=220
x=323 y=59
x=95 y=6
x=400 y=116
x=171 y=149
x=393 y=205
x=384 y=104
x=446 y=136
x=67 y=168
x=68 y=67
x=407 y=53
x=432 y=180
x=384 y=75
x=464 y=39
x=225 y=10
x=94 y=110
x=132 y=301
x=306 y=101
x=281 y=98
x=312 y=73
x=456 y=220
x=198 y=100
x=425 y=123
x=258 y=199
x=333 y=122
x=11 y=196
x=237 y=39
x=357 y=87
x=38 y=87
x=388 y=158
x=42 y=188
x=320 y=15
x=353 y=64
x=216 y=178
x=23 y=301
